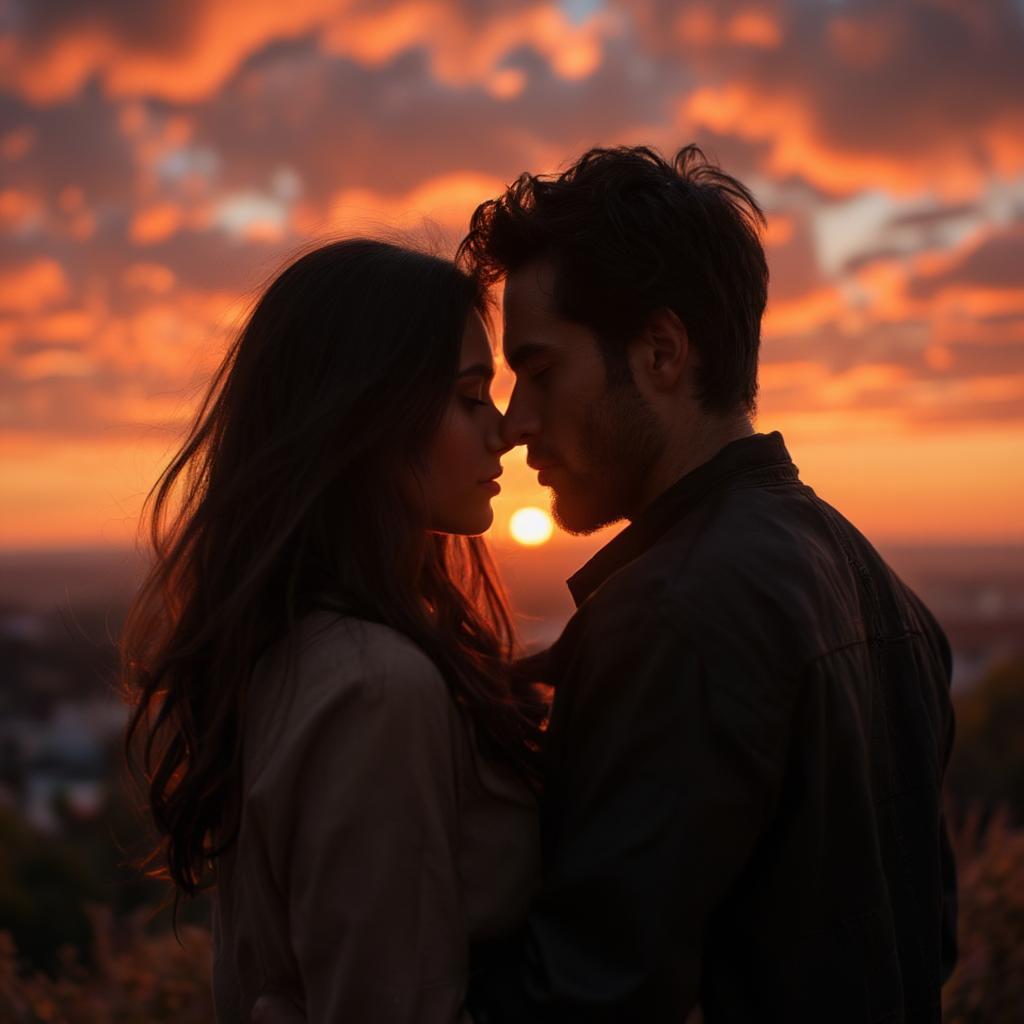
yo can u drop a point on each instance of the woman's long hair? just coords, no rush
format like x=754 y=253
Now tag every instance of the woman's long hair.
x=291 y=492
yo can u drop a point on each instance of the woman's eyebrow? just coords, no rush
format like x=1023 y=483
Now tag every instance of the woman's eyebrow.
x=477 y=370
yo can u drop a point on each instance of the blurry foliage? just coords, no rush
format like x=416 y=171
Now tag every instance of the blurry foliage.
x=987 y=986
x=135 y=979
x=987 y=767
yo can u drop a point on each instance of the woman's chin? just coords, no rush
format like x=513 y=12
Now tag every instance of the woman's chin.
x=469 y=525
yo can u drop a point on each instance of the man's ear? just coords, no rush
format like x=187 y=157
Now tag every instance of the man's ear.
x=661 y=351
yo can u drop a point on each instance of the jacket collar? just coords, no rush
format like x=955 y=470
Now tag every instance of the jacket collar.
x=759 y=456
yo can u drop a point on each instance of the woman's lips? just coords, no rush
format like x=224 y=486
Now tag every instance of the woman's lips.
x=492 y=484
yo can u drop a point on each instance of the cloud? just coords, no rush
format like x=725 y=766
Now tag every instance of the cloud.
x=391 y=127
x=32 y=286
x=181 y=52
x=908 y=97
x=154 y=181
x=990 y=262
x=154 y=223
x=150 y=277
x=17 y=143
x=444 y=202
x=184 y=53
x=947 y=324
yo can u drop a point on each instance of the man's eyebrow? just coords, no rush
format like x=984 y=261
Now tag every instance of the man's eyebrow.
x=522 y=353
x=477 y=370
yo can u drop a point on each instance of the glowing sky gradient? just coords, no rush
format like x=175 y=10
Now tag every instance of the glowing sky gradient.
x=158 y=161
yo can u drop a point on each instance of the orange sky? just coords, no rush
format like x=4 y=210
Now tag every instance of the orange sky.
x=158 y=161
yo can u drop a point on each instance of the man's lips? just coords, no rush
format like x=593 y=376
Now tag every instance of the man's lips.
x=544 y=469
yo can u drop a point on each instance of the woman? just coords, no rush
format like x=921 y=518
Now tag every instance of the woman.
x=319 y=656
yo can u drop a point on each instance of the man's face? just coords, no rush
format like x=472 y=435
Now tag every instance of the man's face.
x=592 y=441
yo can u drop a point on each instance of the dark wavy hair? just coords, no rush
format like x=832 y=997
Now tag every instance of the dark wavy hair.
x=629 y=232
x=291 y=492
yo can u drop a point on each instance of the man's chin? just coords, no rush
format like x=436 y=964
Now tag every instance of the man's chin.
x=579 y=517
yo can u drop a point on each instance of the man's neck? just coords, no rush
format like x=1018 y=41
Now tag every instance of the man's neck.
x=701 y=443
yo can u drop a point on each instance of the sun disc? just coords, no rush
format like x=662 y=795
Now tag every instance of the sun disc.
x=530 y=526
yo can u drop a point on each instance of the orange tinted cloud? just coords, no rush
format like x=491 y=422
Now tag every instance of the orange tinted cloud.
x=906 y=97
x=466 y=46
x=55 y=362
x=72 y=491
x=197 y=54
x=155 y=223
x=16 y=143
x=702 y=25
x=861 y=43
x=66 y=325
x=803 y=313
x=151 y=277
x=19 y=211
x=32 y=286
x=447 y=201
x=789 y=127
x=185 y=66
x=377 y=115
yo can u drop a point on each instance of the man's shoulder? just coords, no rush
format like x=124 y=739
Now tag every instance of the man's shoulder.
x=772 y=560
x=746 y=536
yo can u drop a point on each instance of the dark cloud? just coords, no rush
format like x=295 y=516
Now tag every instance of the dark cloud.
x=864 y=93
x=933 y=216
x=391 y=128
x=77 y=143
x=994 y=262
x=150 y=26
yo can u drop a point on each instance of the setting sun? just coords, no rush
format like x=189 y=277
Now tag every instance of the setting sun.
x=531 y=526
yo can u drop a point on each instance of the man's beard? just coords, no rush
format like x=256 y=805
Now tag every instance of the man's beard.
x=622 y=438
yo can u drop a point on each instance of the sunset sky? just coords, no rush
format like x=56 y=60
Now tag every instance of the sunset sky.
x=159 y=160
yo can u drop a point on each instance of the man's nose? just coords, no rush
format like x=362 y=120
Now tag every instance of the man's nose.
x=521 y=422
x=495 y=439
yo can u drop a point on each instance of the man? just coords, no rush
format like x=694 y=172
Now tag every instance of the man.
x=751 y=719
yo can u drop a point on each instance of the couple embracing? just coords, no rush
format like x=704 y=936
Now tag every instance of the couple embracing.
x=720 y=787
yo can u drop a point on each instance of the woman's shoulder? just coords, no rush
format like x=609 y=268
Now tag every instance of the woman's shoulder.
x=343 y=645
x=356 y=689
x=333 y=662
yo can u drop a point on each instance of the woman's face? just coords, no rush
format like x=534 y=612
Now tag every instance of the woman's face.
x=464 y=460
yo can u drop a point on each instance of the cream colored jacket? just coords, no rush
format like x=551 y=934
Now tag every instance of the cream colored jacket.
x=376 y=843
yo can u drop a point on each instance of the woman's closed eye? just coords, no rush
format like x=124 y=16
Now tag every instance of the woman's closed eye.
x=477 y=397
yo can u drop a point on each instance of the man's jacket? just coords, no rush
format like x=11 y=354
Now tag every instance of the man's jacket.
x=744 y=764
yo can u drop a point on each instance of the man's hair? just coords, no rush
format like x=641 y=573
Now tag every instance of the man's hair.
x=628 y=233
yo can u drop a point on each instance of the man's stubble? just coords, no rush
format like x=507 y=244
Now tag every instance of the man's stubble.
x=622 y=440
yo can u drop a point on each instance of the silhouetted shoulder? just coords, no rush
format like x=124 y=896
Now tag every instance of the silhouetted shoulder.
x=350 y=825
x=335 y=657
x=340 y=674
x=766 y=570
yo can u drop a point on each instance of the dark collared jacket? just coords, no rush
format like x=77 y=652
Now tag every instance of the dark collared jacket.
x=743 y=773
